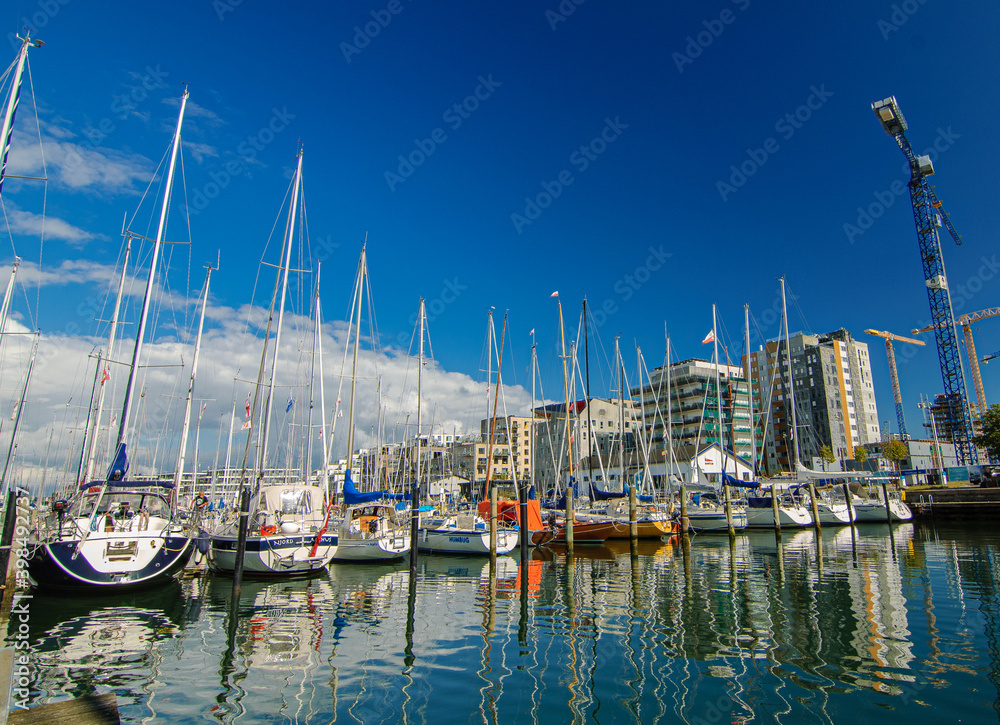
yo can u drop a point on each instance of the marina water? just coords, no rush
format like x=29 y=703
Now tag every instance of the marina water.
x=902 y=627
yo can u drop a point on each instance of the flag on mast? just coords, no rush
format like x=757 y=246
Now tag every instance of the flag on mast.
x=554 y=294
x=710 y=337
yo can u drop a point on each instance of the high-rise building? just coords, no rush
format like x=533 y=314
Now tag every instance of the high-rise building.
x=693 y=419
x=834 y=398
x=600 y=428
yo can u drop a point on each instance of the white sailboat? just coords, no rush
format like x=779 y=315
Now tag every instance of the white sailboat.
x=288 y=531
x=371 y=530
x=120 y=533
x=791 y=508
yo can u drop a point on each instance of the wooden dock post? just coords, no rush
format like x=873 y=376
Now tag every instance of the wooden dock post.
x=885 y=496
x=729 y=512
x=685 y=522
x=774 y=510
x=414 y=524
x=241 y=542
x=815 y=506
x=570 y=517
x=493 y=524
x=633 y=526
x=522 y=500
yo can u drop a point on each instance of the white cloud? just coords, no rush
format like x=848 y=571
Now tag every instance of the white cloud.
x=77 y=166
x=201 y=151
x=64 y=375
x=25 y=222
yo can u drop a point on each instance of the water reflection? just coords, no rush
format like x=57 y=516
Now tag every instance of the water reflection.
x=800 y=627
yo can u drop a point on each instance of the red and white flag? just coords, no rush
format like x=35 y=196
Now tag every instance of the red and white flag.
x=710 y=337
x=106 y=377
x=554 y=294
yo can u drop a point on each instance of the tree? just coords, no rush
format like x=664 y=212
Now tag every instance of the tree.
x=894 y=451
x=861 y=454
x=826 y=453
x=990 y=439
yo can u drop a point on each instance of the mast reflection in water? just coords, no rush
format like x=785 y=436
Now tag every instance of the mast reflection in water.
x=799 y=628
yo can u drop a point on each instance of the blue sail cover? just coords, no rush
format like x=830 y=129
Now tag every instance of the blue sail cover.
x=733 y=481
x=353 y=496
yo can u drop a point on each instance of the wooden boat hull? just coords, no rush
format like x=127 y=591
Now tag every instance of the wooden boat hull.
x=589 y=532
x=648 y=529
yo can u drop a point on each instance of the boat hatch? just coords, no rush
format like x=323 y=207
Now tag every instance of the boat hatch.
x=121 y=550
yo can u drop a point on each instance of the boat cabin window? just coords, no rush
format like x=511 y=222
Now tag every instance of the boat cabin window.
x=296 y=501
x=365 y=511
x=126 y=505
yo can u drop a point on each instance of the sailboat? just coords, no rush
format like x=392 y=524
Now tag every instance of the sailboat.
x=289 y=532
x=120 y=533
x=371 y=530
x=785 y=499
x=465 y=532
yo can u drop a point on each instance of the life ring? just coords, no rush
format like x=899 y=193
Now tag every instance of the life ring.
x=268 y=530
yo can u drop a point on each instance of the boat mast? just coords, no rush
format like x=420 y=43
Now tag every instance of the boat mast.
x=753 y=427
x=586 y=368
x=569 y=436
x=154 y=262
x=91 y=447
x=7 y=295
x=359 y=290
x=186 y=425
x=324 y=480
x=6 y=131
x=17 y=420
x=289 y=238
x=790 y=390
x=493 y=416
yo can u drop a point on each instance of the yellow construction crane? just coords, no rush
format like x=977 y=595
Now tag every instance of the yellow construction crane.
x=966 y=322
x=889 y=339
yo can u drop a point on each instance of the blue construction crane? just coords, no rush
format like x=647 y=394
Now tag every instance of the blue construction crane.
x=991 y=356
x=929 y=215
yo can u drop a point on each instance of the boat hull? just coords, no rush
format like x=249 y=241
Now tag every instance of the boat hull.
x=874 y=512
x=447 y=540
x=278 y=555
x=383 y=548
x=713 y=521
x=788 y=516
x=55 y=565
x=835 y=515
x=585 y=533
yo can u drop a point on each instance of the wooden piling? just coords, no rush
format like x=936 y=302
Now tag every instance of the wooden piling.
x=493 y=524
x=241 y=543
x=885 y=497
x=774 y=510
x=633 y=525
x=729 y=512
x=414 y=525
x=524 y=534
x=570 y=517
x=815 y=506
x=685 y=522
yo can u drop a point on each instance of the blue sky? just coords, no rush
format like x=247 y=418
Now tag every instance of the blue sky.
x=655 y=158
